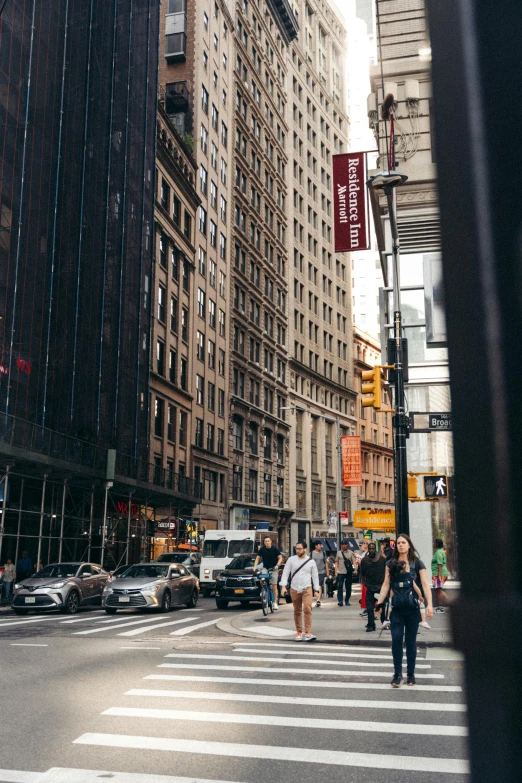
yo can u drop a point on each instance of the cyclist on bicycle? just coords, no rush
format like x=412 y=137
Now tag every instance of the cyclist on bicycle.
x=271 y=558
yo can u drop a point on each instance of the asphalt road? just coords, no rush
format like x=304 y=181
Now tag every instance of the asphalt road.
x=158 y=706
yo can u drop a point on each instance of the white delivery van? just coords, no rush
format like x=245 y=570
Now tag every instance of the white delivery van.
x=219 y=548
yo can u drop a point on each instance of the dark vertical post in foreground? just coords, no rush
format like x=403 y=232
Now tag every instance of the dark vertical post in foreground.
x=477 y=83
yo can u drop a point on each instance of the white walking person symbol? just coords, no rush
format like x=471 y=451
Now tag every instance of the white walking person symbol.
x=440 y=486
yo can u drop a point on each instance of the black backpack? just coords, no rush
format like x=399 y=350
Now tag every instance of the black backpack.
x=404 y=598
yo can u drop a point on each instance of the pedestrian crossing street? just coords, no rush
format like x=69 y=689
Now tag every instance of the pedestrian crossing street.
x=228 y=707
x=125 y=625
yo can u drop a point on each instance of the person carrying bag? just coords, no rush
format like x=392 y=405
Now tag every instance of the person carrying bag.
x=301 y=580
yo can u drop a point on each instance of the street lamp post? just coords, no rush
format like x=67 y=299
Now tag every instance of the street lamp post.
x=387 y=181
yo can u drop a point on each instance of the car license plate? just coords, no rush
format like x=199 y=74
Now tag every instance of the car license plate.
x=124 y=599
x=30 y=599
x=239 y=591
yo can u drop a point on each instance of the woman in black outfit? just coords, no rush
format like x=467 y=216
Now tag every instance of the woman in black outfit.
x=401 y=572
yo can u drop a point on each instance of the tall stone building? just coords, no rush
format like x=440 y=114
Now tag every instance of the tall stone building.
x=320 y=303
x=404 y=48
x=195 y=76
x=258 y=434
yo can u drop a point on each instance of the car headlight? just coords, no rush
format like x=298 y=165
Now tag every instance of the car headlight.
x=107 y=589
x=57 y=585
x=207 y=571
x=18 y=586
x=151 y=588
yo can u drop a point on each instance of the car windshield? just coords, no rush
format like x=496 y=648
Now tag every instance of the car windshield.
x=240 y=547
x=242 y=562
x=173 y=557
x=147 y=572
x=61 y=570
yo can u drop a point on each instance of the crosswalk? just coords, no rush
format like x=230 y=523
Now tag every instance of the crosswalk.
x=284 y=716
x=129 y=624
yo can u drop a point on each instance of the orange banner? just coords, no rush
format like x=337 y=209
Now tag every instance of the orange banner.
x=351 y=461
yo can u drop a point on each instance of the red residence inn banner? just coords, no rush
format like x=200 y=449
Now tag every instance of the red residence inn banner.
x=350 y=200
x=351 y=461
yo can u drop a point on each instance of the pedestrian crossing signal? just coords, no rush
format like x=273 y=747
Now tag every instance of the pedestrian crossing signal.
x=436 y=486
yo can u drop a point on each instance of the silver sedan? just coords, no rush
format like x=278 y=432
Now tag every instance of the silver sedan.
x=151 y=586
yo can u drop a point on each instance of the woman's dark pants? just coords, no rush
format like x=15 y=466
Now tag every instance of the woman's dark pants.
x=404 y=626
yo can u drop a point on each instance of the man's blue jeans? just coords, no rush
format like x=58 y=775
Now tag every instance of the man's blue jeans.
x=7 y=588
x=342 y=581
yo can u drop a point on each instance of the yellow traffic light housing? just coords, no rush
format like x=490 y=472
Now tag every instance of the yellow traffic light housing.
x=413 y=488
x=371 y=385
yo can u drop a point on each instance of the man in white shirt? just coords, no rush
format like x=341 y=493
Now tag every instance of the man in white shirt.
x=301 y=571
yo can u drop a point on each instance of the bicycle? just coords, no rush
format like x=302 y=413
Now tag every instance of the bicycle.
x=266 y=593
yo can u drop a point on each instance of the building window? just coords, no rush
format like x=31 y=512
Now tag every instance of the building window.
x=281 y=449
x=211 y=396
x=183 y=374
x=213 y=233
x=159 y=412
x=184 y=324
x=212 y=273
x=213 y=194
x=198 y=438
x=204 y=140
x=237 y=483
x=200 y=390
x=212 y=313
x=222 y=246
x=160 y=357
x=267 y=447
x=210 y=437
x=161 y=303
x=221 y=442
x=201 y=303
x=163 y=244
x=203 y=179
x=173 y=313
x=211 y=354
x=221 y=323
x=171 y=423
x=221 y=362
x=267 y=495
x=252 y=486
x=254 y=438
x=204 y=99
x=173 y=374
x=237 y=432
x=165 y=195
x=202 y=259
x=200 y=346
x=203 y=221
x=221 y=402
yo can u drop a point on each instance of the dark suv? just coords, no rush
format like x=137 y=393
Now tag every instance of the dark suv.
x=237 y=582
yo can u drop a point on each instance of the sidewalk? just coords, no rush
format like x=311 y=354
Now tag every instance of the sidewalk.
x=331 y=623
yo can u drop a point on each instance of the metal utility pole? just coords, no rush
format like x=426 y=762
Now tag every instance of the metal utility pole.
x=339 y=480
x=400 y=420
x=477 y=81
x=387 y=181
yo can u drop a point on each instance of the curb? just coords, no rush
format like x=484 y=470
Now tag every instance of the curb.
x=226 y=626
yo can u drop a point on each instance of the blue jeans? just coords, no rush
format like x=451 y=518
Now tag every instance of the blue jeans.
x=342 y=580
x=7 y=588
x=404 y=627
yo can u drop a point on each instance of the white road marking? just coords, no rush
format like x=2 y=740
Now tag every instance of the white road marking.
x=291 y=660
x=17 y=776
x=98 y=619
x=27 y=644
x=277 y=670
x=62 y=775
x=139 y=647
x=137 y=631
x=11 y=623
x=190 y=628
x=311 y=702
x=120 y=625
x=369 y=686
x=289 y=721
x=269 y=630
x=317 y=655
x=297 y=755
x=317 y=646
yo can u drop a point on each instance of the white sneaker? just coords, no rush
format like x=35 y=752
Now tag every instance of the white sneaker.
x=425 y=624
x=299 y=637
x=387 y=623
x=310 y=637
x=275 y=606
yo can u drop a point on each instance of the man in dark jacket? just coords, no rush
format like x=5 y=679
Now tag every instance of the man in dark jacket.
x=373 y=568
x=24 y=567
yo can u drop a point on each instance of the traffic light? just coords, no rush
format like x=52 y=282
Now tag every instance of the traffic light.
x=371 y=384
x=413 y=488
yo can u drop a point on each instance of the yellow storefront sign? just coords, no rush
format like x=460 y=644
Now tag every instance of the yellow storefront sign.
x=381 y=519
